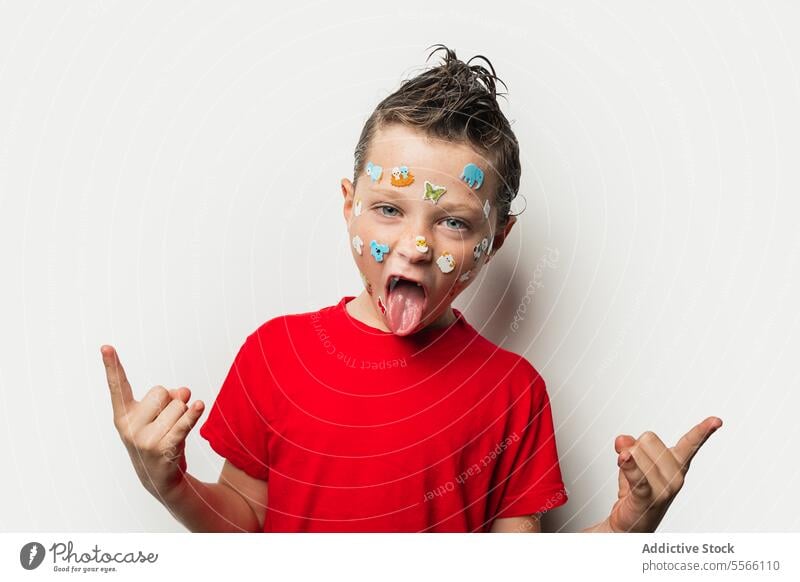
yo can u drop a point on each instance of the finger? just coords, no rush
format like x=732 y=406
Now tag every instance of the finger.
x=185 y=423
x=623 y=441
x=665 y=461
x=641 y=473
x=690 y=443
x=165 y=420
x=156 y=400
x=118 y=385
x=183 y=394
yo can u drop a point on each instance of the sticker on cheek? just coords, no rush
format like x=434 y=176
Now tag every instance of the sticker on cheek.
x=357 y=207
x=421 y=244
x=374 y=171
x=487 y=208
x=472 y=175
x=358 y=244
x=432 y=192
x=484 y=244
x=381 y=306
x=476 y=252
x=446 y=262
x=401 y=176
x=465 y=277
x=378 y=250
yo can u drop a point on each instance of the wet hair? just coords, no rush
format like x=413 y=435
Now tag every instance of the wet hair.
x=455 y=101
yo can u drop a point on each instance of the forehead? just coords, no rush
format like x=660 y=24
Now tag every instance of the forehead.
x=435 y=158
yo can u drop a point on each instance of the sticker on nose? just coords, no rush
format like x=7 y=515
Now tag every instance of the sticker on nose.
x=432 y=192
x=357 y=207
x=401 y=176
x=421 y=243
x=374 y=171
x=358 y=244
x=446 y=262
x=378 y=250
x=472 y=175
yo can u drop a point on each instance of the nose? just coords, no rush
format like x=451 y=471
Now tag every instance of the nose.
x=415 y=247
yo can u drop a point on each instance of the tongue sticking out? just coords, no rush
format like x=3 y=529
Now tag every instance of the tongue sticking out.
x=404 y=307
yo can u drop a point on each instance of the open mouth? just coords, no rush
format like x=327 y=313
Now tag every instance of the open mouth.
x=406 y=299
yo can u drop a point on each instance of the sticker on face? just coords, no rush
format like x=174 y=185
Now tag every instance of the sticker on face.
x=433 y=193
x=472 y=175
x=358 y=244
x=381 y=305
x=487 y=208
x=357 y=207
x=421 y=244
x=476 y=252
x=484 y=244
x=446 y=262
x=465 y=277
x=378 y=250
x=374 y=171
x=401 y=176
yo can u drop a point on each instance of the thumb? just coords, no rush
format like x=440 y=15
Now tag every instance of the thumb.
x=623 y=441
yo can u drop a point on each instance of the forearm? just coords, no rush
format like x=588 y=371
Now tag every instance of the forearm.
x=210 y=507
x=602 y=527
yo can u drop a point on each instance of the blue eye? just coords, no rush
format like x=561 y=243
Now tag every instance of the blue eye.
x=455 y=223
x=392 y=209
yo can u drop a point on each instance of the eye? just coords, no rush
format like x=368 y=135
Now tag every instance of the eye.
x=455 y=223
x=388 y=211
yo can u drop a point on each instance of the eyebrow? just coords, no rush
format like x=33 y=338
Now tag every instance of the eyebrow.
x=443 y=204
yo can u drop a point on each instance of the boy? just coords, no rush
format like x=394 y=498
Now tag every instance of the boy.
x=388 y=411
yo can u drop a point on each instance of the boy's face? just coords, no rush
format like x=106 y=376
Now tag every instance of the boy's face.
x=410 y=282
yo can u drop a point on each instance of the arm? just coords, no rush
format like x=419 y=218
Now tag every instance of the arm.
x=521 y=524
x=236 y=503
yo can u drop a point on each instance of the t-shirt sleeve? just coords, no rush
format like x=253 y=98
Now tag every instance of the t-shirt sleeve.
x=534 y=483
x=237 y=427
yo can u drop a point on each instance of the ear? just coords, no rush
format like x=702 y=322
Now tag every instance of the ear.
x=500 y=237
x=348 y=190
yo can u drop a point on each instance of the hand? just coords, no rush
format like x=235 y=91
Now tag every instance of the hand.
x=651 y=475
x=153 y=430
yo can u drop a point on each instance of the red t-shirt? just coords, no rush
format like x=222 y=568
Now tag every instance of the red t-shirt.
x=359 y=430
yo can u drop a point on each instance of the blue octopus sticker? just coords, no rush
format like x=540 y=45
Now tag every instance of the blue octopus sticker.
x=377 y=250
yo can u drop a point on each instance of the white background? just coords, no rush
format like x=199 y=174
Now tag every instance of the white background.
x=169 y=179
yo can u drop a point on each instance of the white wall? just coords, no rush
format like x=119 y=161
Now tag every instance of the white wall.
x=157 y=161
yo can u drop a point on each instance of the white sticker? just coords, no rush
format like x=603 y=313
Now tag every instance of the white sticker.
x=446 y=262
x=465 y=276
x=358 y=244
x=484 y=244
x=476 y=252
x=487 y=208
x=357 y=208
x=421 y=244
